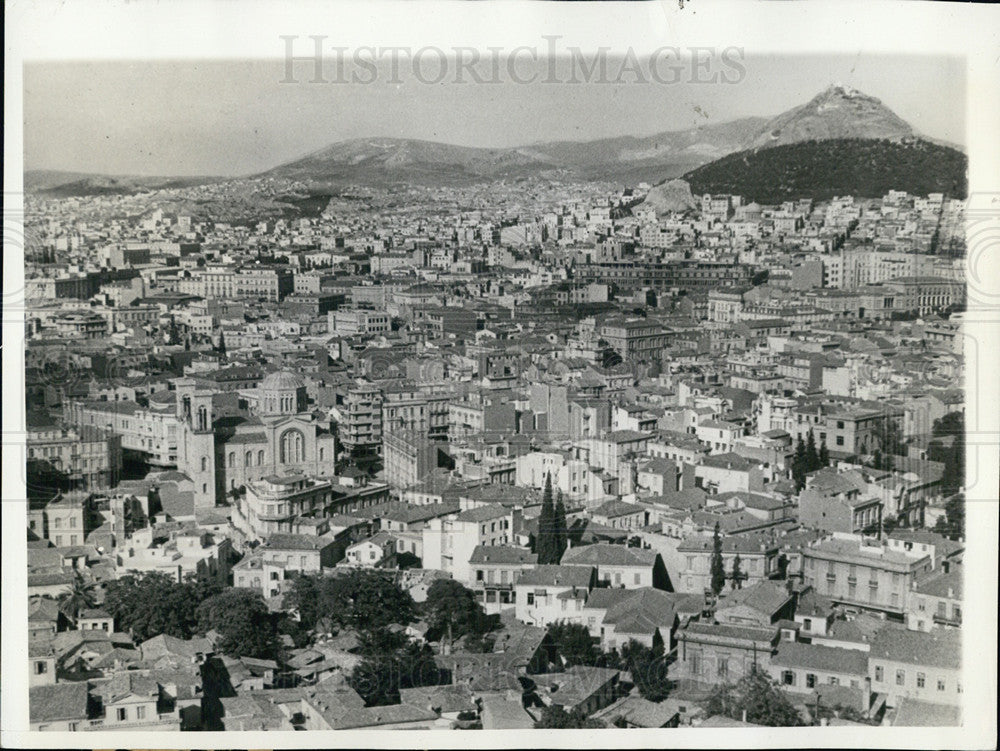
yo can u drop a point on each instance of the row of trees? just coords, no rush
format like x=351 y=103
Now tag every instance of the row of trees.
x=717 y=567
x=553 y=534
x=808 y=459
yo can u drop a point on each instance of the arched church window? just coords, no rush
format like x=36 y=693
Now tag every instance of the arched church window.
x=292 y=447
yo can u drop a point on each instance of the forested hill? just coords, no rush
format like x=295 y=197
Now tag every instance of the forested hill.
x=820 y=170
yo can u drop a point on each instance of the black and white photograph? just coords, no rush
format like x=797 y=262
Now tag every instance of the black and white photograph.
x=361 y=375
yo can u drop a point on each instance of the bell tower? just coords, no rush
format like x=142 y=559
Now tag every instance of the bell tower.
x=196 y=441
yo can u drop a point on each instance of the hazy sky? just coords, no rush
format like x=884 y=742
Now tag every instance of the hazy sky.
x=233 y=118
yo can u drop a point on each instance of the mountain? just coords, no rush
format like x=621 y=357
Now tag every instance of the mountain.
x=866 y=168
x=59 y=184
x=838 y=112
x=385 y=161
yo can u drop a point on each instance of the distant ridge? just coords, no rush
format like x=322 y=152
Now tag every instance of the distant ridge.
x=839 y=112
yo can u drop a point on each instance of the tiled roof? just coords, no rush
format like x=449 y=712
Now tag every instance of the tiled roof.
x=939 y=648
x=604 y=554
x=60 y=701
x=557 y=576
x=501 y=554
x=812 y=656
x=766 y=597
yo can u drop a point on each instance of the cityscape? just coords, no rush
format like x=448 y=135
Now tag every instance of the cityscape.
x=655 y=433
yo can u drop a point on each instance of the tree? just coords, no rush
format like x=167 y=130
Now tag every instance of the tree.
x=80 y=596
x=304 y=597
x=453 y=611
x=952 y=524
x=154 y=604
x=392 y=662
x=546 y=547
x=243 y=620
x=363 y=599
x=824 y=454
x=948 y=447
x=717 y=570
x=562 y=531
x=811 y=458
x=648 y=670
x=555 y=717
x=574 y=644
x=758 y=697
x=799 y=464
x=738 y=576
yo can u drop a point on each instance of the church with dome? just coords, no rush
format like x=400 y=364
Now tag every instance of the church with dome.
x=276 y=436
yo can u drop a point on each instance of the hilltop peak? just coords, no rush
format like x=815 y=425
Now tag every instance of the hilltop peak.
x=837 y=112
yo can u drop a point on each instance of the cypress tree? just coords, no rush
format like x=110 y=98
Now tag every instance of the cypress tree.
x=718 y=571
x=824 y=454
x=799 y=465
x=812 y=458
x=562 y=532
x=545 y=543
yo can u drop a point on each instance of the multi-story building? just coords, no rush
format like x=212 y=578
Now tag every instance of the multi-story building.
x=915 y=665
x=271 y=505
x=151 y=432
x=758 y=556
x=408 y=457
x=496 y=570
x=360 y=429
x=838 y=501
x=635 y=340
x=424 y=410
x=350 y=322
x=548 y=594
x=862 y=573
x=90 y=457
x=449 y=542
x=178 y=554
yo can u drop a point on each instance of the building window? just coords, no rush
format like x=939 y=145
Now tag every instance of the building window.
x=531 y=598
x=810 y=680
x=140 y=712
x=788 y=678
x=292 y=445
x=900 y=677
x=940 y=684
x=41 y=668
x=122 y=714
x=879 y=673
x=921 y=680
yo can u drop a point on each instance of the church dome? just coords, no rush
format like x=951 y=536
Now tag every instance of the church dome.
x=282 y=381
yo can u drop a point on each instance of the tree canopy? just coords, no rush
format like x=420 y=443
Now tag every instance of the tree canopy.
x=555 y=717
x=648 y=669
x=154 y=604
x=574 y=644
x=757 y=696
x=453 y=611
x=362 y=599
x=243 y=620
